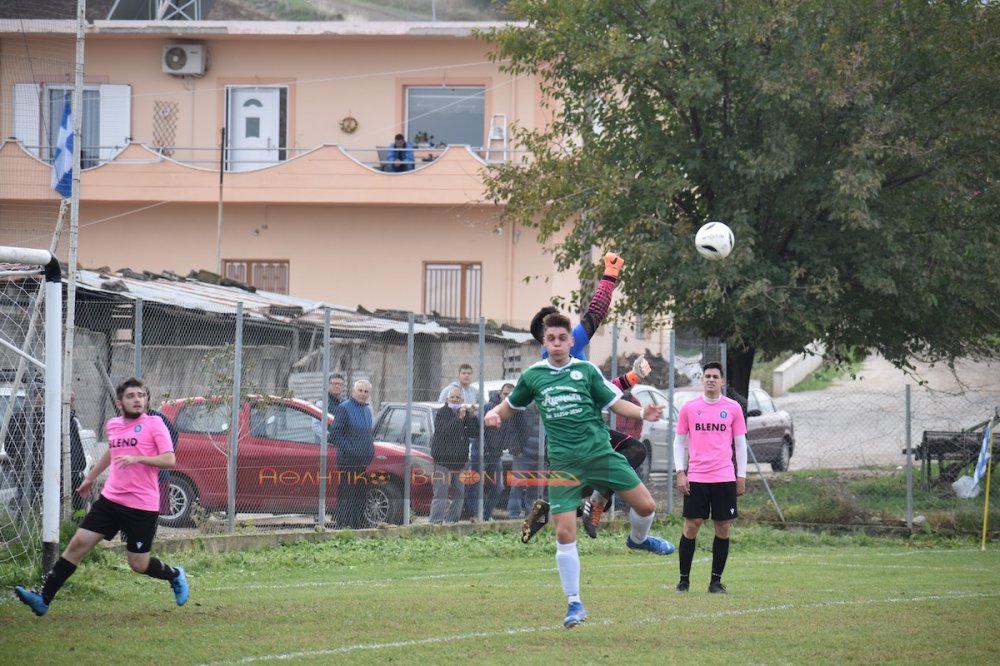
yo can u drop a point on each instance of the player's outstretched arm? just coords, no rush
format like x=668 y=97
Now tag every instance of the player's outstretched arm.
x=601 y=301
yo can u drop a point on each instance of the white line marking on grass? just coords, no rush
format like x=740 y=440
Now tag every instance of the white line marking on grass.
x=377 y=581
x=430 y=640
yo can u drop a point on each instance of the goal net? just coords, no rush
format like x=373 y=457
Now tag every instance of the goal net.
x=30 y=446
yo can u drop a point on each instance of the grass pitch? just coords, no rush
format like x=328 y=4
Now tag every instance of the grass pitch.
x=486 y=598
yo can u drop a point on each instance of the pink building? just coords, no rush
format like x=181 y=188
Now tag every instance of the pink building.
x=258 y=149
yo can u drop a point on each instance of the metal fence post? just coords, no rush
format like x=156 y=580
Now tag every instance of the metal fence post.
x=612 y=417
x=323 y=439
x=909 y=458
x=482 y=433
x=234 y=426
x=137 y=338
x=671 y=421
x=408 y=429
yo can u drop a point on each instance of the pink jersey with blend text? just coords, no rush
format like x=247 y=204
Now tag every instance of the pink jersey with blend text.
x=710 y=428
x=135 y=486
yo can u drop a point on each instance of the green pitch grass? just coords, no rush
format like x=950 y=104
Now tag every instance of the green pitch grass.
x=794 y=598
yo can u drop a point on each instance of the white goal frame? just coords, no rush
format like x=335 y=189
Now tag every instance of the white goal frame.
x=52 y=369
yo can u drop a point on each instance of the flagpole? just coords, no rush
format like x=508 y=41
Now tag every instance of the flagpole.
x=986 y=502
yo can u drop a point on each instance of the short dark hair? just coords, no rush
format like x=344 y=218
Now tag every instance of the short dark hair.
x=131 y=382
x=557 y=320
x=399 y=137
x=464 y=366
x=713 y=365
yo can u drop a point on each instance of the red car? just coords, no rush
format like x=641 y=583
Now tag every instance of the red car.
x=277 y=463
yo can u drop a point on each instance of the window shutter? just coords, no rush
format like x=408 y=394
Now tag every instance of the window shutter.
x=27 y=116
x=116 y=119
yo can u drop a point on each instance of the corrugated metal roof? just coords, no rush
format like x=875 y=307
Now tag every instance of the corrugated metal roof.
x=194 y=294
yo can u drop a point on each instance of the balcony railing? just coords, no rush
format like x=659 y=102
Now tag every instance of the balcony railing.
x=247 y=159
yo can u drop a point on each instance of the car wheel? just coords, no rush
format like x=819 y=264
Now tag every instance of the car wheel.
x=384 y=504
x=781 y=464
x=647 y=464
x=181 y=496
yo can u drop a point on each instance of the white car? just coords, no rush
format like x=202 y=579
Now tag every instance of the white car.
x=655 y=434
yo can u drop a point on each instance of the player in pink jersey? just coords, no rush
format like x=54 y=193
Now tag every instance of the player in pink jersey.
x=711 y=454
x=139 y=445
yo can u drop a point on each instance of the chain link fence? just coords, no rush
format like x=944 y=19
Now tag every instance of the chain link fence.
x=242 y=381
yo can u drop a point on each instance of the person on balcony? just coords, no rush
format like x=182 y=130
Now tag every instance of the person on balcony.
x=400 y=157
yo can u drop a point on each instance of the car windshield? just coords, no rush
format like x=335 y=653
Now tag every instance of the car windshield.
x=680 y=397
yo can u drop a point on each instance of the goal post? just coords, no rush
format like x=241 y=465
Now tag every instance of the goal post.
x=51 y=366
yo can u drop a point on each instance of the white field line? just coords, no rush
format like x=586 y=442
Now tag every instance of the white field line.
x=431 y=640
x=769 y=560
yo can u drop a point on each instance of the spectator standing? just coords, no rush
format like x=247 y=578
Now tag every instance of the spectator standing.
x=334 y=396
x=351 y=434
x=525 y=459
x=470 y=394
x=138 y=445
x=496 y=440
x=711 y=433
x=454 y=424
x=400 y=157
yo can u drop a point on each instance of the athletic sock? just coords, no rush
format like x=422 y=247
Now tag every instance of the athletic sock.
x=568 y=563
x=640 y=525
x=597 y=499
x=55 y=578
x=720 y=553
x=685 y=555
x=158 y=569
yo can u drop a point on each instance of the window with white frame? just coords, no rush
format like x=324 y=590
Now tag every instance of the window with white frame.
x=453 y=290
x=450 y=115
x=106 y=120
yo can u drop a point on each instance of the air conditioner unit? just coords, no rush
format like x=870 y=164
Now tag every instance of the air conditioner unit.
x=184 y=59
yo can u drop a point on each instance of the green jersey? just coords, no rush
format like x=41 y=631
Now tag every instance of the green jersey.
x=570 y=400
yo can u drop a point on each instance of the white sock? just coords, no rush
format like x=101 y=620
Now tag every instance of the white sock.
x=640 y=525
x=568 y=563
x=597 y=499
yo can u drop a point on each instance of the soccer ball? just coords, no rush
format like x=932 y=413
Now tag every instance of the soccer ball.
x=714 y=241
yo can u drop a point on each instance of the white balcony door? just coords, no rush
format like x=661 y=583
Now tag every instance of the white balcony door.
x=253 y=128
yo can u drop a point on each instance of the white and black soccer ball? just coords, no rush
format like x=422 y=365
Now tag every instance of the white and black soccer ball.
x=714 y=240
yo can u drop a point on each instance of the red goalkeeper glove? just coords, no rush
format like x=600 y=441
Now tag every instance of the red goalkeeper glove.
x=613 y=264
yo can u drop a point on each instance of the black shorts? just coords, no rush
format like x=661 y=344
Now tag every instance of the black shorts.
x=715 y=500
x=138 y=527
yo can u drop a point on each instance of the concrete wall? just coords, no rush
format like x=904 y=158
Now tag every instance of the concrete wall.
x=797 y=368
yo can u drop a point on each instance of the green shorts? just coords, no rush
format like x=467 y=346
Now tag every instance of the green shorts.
x=608 y=470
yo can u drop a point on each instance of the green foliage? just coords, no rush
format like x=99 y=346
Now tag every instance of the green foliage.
x=850 y=145
x=302 y=10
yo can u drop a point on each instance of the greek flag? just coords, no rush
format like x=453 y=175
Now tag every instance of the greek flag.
x=984 y=456
x=62 y=163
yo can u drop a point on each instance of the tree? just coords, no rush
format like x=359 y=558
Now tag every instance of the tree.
x=851 y=145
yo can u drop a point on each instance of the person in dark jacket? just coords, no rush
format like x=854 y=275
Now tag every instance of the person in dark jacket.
x=163 y=476
x=351 y=434
x=508 y=436
x=454 y=424
x=77 y=458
